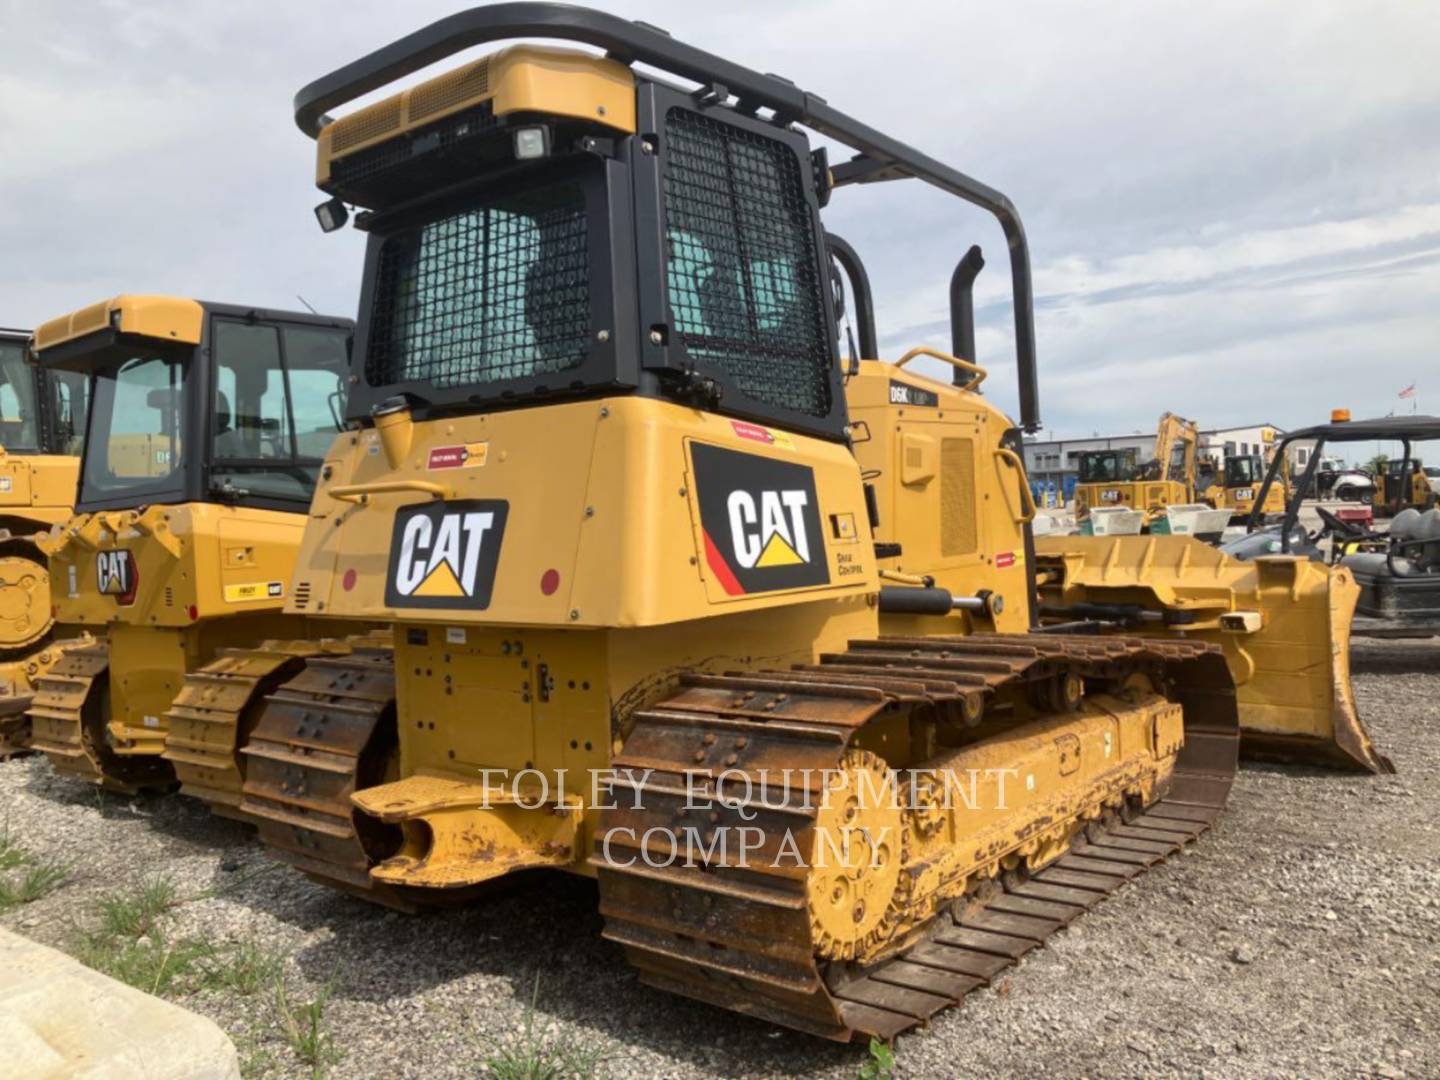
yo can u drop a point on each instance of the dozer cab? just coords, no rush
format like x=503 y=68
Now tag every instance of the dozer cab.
x=1241 y=480
x=603 y=485
x=1113 y=478
x=42 y=423
x=207 y=429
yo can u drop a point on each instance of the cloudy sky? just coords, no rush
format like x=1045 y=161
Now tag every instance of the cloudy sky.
x=1233 y=207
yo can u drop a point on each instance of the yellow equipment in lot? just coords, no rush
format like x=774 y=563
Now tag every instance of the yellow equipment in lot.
x=1402 y=483
x=42 y=424
x=638 y=554
x=1111 y=478
x=1241 y=481
x=1283 y=622
x=208 y=426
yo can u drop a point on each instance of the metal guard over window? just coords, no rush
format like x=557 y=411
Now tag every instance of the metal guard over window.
x=744 y=290
x=488 y=293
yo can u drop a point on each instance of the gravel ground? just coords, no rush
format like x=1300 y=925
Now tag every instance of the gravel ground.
x=1300 y=938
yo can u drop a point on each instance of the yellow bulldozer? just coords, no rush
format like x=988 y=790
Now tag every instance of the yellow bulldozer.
x=42 y=424
x=1114 y=478
x=1241 y=477
x=208 y=426
x=677 y=600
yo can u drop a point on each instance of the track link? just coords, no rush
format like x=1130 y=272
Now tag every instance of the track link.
x=69 y=716
x=737 y=933
x=211 y=716
x=15 y=725
x=325 y=733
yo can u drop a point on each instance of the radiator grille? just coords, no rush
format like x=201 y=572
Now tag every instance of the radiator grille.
x=302 y=595
x=450 y=90
x=456 y=137
x=369 y=123
x=957 y=497
x=741 y=270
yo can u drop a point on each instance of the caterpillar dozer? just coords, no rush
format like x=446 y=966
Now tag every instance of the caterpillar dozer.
x=1241 y=478
x=42 y=423
x=1113 y=478
x=607 y=487
x=208 y=426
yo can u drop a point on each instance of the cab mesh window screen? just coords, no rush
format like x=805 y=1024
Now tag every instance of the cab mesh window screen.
x=744 y=291
x=496 y=292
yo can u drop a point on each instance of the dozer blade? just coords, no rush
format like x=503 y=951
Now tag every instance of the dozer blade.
x=1283 y=623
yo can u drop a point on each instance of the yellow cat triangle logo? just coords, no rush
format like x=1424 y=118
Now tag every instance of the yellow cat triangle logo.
x=440 y=582
x=778 y=553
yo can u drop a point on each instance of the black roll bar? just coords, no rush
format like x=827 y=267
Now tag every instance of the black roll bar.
x=962 y=311
x=879 y=157
x=861 y=297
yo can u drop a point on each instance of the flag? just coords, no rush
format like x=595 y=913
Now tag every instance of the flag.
x=1408 y=392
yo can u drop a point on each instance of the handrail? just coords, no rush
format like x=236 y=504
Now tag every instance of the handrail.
x=962 y=365
x=1027 y=497
x=360 y=493
x=879 y=156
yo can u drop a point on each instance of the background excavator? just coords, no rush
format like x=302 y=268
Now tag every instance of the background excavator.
x=42 y=424
x=208 y=424
x=626 y=513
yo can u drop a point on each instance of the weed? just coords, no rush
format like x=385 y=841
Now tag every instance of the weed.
x=154 y=963
x=243 y=967
x=881 y=1065
x=11 y=853
x=28 y=878
x=134 y=915
x=256 y=1059
x=305 y=1029
x=37 y=879
x=533 y=1055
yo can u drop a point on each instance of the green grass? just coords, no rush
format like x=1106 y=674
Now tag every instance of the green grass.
x=32 y=882
x=537 y=1055
x=305 y=1029
x=242 y=967
x=126 y=936
x=25 y=877
x=134 y=914
x=11 y=853
x=154 y=962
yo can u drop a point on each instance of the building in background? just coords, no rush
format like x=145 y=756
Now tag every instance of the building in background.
x=1217 y=444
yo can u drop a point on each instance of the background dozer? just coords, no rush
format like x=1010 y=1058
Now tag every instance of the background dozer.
x=604 y=487
x=208 y=426
x=1114 y=478
x=42 y=423
x=1239 y=484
